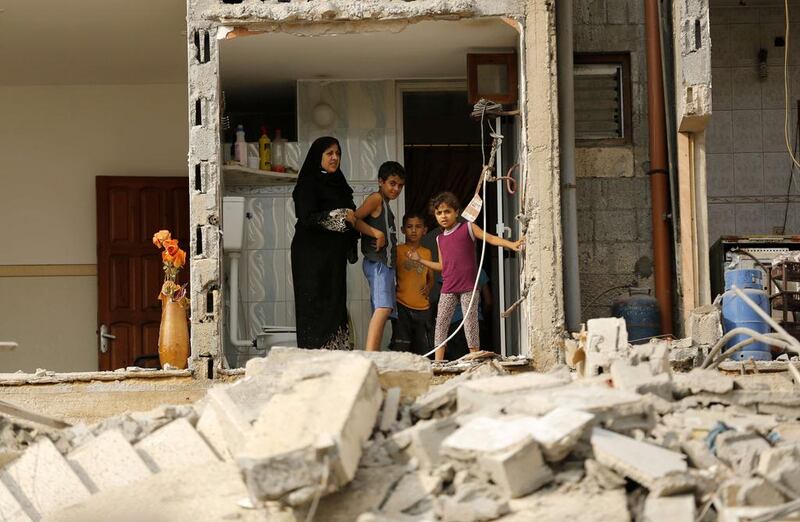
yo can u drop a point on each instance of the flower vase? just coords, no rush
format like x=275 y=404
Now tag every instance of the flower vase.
x=173 y=335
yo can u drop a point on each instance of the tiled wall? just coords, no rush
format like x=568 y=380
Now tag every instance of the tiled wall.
x=747 y=162
x=365 y=126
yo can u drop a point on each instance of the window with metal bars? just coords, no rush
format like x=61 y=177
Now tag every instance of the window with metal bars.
x=602 y=99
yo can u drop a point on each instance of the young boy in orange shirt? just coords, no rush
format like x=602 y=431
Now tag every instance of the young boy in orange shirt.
x=411 y=329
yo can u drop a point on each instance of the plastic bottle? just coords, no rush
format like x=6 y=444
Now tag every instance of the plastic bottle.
x=278 y=152
x=264 y=151
x=240 y=147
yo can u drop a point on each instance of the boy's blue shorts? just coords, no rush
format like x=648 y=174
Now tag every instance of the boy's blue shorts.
x=381 y=285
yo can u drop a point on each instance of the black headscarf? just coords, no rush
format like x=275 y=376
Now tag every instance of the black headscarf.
x=313 y=173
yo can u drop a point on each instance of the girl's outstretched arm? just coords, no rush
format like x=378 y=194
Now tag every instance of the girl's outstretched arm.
x=497 y=241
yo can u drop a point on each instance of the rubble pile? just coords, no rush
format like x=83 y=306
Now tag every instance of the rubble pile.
x=338 y=436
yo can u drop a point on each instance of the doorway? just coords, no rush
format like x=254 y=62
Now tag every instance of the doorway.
x=443 y=150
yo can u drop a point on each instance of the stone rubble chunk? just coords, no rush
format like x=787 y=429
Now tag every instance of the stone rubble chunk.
x=391 y=404
x=210 y=428
x=683 y=355
x=423 y=440
x=443 y=397
x=177 y=445
x=699 y=380
x=740 y=450
x=411 y=489
x=640 y=379
x=313 y=427
x=759 y=492
x=519 y=471
x=496 y=391
x=557 y=431
x=108 y=461
x=410 y=372
x=771 y=459
x=10 y=508
x=680 y=508
x=484 y=435
x=642 y=462
x=44 y=479
x=606 y=341
x=699 y=455
x=471 y=503
x=705 y=325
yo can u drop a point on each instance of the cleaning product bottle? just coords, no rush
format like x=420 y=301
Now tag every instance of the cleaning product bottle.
x=240 y=147
x=264 y=151
x=278 y=152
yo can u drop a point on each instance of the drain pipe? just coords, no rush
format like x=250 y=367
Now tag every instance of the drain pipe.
x=659 y=187
x=233 y=320
x=566 y=143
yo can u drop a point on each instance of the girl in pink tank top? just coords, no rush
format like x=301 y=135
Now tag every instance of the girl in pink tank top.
x=459 y=268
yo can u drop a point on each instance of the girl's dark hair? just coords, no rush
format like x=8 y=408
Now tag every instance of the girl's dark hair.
x=444 y=198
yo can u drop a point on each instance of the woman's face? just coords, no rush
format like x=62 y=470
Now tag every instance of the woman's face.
x=330 y=159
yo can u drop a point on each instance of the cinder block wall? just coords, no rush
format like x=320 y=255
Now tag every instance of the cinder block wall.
x=614 y=218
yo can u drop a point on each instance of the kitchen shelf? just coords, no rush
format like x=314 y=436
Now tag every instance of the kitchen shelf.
x=237 y=175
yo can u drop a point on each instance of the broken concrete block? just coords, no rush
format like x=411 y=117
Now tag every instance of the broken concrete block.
x=423 y=440
x=443 y=397
x=606 y=340
x=640 y=461
x=518 y=471
x=210 y=428
x=680 y=508
x=740 y=450
x=699 y=455
x=177 y=445
x=313 y=427
x=683 y=355
x=471 y=503
x=640 y=379
x=483 y=435
x=759 y=492
x=10 y=508
x=108 y=461
x=391 y=404
x=410 y=372
x=771 y=459
x=496 y=391
x=699 y=380
x=558 y=431
x=411 y=489
x=705 y=325
x=45 y=479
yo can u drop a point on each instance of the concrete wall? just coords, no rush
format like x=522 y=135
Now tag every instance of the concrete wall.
x=748 y=165
x=54 y=141
x=614 y=218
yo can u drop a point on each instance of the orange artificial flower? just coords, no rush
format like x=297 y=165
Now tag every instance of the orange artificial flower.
x=179 y=258
x=166 y=258
x=161 y=236
x=171 y=246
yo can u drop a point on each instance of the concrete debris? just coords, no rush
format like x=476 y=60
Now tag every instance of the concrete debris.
x=606 y=341
x=705 y=325
x=643 y=435
x=640 y=461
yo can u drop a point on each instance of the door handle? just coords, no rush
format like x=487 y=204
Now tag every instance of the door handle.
x=105 y=338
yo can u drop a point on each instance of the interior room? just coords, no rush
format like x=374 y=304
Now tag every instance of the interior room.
x=399 y=95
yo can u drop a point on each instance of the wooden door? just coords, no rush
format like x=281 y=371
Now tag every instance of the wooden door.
x=129 y=271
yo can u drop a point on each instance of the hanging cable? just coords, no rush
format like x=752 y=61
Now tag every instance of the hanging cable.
x=786 y=83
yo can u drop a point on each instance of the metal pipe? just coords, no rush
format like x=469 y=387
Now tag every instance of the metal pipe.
x=659 y=188
x=566 y=141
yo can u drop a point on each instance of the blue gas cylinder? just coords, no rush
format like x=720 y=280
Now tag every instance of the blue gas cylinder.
x=735 y=311
x=640 y=311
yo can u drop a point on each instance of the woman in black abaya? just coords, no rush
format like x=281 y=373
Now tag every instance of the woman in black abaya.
x=323 y=240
